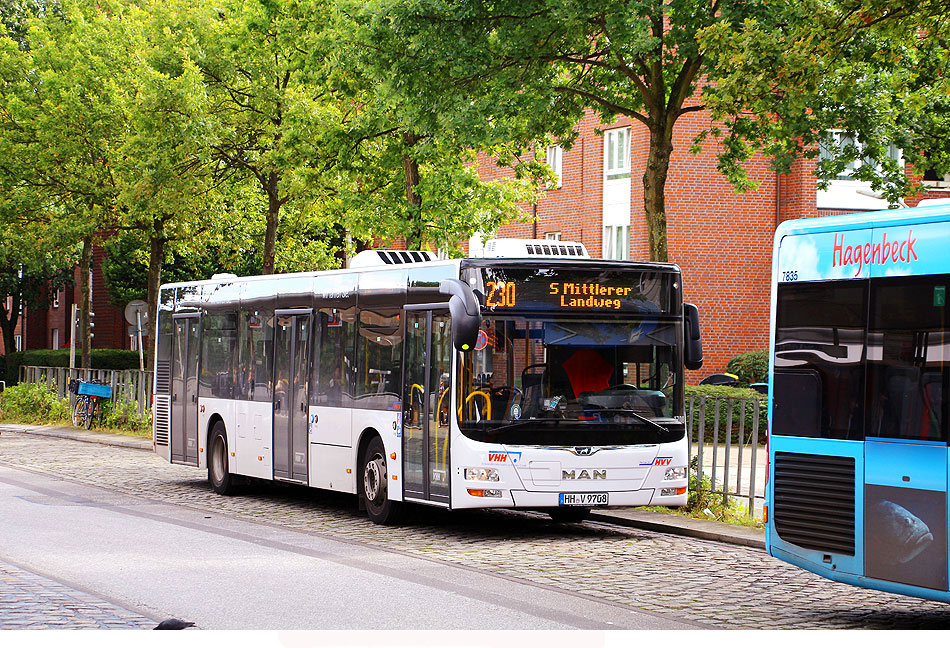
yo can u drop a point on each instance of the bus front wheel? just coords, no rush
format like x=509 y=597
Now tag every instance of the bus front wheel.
x=375 y=485
x=218 y=474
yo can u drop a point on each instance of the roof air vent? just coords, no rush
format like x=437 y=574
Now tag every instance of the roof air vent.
x=520 y=248
x=372 y=258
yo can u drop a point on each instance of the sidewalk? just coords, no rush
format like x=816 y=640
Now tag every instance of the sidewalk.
x=630 y=517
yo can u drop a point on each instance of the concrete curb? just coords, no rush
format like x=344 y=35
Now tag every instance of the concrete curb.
x=629 y=517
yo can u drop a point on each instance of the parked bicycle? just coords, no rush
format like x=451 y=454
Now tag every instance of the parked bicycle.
x=89 y=397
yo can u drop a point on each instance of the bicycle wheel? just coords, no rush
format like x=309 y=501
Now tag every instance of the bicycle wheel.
x=79 y=411
x=92 y=411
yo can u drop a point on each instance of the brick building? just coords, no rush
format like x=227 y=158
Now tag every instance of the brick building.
x=50 y=329
x=721 y=240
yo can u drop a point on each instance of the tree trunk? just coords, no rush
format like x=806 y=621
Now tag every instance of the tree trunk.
x=155 y=260
x=85 y=262
x=654 y=192
x=273 y=219
x=8 y=323
x=415 y=235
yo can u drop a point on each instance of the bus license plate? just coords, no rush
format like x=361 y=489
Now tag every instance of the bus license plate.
x=583 y=499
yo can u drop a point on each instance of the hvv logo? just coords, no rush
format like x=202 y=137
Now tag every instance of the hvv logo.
x=503 y=456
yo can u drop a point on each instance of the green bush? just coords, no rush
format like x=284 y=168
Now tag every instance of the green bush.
x=124 y=416
x=29 y=403
x=714 y=393
x=120 y=359
x=751 y=367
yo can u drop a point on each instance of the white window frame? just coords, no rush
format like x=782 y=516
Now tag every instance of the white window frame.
x=54 y=339
x=56 y=299
x=616 y=242
x=18 y=342
x=844 y=192
x=555 y=155
x=617 y=153
x=552 y=236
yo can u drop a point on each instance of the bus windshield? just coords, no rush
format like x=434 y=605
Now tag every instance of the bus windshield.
x=564 y=381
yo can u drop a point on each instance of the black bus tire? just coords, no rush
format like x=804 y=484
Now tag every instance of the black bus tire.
x=221 y=480
x=374 y=485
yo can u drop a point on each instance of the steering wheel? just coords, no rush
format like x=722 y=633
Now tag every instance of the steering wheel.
x=505 y=391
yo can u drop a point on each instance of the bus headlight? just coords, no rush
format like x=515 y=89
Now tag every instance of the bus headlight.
x=487 y=492
x=481 y=474
x=675 y=473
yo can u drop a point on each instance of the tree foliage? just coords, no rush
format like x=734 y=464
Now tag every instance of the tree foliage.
x=875 y=71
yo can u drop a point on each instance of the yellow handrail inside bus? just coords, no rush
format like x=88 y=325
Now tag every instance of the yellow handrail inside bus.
x=483 y=395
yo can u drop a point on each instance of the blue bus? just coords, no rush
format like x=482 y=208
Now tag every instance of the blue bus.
x=859 y=398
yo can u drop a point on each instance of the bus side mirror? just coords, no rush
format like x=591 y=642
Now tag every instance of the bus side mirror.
x=463 y=307
x=693 y=353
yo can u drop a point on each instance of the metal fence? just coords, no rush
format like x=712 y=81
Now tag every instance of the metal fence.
x=727 y=438
x=127 y=385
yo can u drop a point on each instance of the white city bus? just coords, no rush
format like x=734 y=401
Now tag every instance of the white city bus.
x=542 y=380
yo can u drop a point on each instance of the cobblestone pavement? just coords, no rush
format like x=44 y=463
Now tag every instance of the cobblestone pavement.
x=32 y=602
x=716 y=584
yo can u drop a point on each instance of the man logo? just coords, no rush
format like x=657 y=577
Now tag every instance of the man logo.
x=583 y=451
x=584 y=474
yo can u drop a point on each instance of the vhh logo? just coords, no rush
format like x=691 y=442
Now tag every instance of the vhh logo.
x=498 y=457
x=663 y=461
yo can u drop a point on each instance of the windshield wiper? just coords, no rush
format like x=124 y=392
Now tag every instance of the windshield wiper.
x=635 y=414
x=523 y=422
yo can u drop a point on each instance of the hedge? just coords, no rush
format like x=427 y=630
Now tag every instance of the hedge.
x=751 y=367
x=713 y=392
x=120 y=359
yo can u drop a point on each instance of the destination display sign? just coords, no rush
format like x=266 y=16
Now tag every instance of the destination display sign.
x=600 y=291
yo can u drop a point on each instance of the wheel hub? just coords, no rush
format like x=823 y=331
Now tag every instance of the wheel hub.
x=373 y=480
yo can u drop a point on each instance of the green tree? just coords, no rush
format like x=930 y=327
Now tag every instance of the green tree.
x=269 y=111
x=779 y=74
x=411 y=140
x=875 y=71
x=556 y=58
x=59 y=129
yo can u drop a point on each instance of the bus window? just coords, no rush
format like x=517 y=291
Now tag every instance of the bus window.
x=908 y=372
x=218 y=346
x=256 y=354
x=333 y=360
x=819 y=346
x=379 y=358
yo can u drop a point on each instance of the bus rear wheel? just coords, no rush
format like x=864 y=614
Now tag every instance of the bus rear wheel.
x=218 y=473
x=375 y=485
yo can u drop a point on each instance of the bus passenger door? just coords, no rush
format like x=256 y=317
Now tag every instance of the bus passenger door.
x=426 y=408
x=291 y=372
x=184 y=423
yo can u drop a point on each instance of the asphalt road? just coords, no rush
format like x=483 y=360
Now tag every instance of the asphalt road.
x=154 y=539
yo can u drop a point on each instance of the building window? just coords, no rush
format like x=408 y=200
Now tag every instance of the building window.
x=54 y=343
x=555 y=154
x=552 y=236
x=18 y=342
x=617 y=153
x=617 y=242
x=56 y=301
x=845 y=192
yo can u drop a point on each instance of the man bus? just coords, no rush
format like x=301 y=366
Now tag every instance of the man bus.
x=538 y=379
